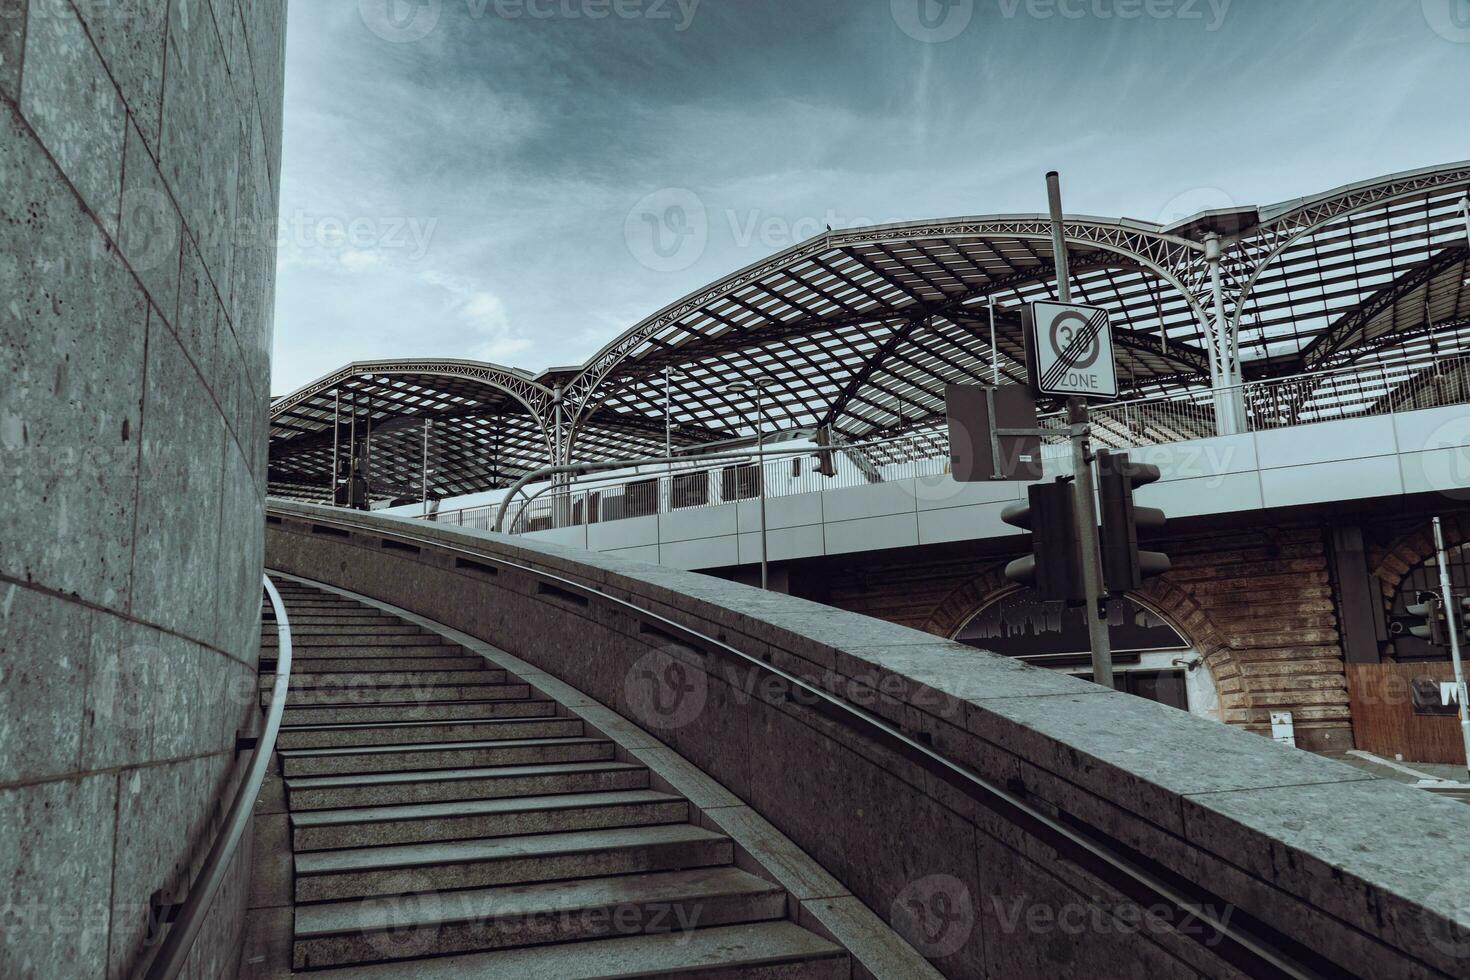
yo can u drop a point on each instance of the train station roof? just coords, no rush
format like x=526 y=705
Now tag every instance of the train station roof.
x=857 y=331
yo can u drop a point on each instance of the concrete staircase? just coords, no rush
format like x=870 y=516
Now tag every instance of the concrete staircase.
x=448 y=820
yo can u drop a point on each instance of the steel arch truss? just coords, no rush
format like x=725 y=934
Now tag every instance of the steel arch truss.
x=861 y=330
x=479 y=425
x=1317 y=276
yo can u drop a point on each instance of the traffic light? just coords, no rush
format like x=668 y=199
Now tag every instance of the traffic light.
x=826 y=465
x=1124 y=565
x=1430 y=608
x=1054 y=568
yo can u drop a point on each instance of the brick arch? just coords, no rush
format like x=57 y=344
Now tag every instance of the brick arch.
x=1411 y=550
x=1162 y=596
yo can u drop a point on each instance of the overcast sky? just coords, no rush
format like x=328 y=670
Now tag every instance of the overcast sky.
x=521 y=180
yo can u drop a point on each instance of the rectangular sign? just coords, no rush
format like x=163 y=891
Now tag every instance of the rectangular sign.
x=1070 y=350
x=978 y=453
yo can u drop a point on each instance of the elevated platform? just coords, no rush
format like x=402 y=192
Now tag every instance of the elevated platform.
x=1339 y=462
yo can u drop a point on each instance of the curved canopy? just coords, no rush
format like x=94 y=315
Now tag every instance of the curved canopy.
x=858 y=331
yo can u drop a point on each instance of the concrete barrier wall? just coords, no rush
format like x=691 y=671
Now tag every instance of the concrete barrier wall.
x=139 y=173
x=1352 y=868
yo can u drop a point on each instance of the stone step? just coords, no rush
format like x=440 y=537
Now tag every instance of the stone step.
x=374 y=826
x=446 y=785
x=412 y=711
x=369 y=651
x=347 y=617
x=358 y=629
x=360 y=615
x=776 y=950
x=341 y=933
x=325 y=876
x=435 y=732
x=346 y=665
x=344 y=610
x=366 y=640
x=400 y=695
x=311 y=679
x=458 y=755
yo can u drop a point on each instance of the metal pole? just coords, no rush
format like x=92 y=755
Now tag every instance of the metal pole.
x=760 y=445
x=367 y=454
x=427 y=423
x=669 y=435
x=994 y=353
x=336 y=433
x=1452 y=623
x=668 y=417
x=352 y=461
x=558 y=455
x=1096 y=612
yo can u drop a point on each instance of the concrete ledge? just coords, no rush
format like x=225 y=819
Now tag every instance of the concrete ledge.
x=1342 y=864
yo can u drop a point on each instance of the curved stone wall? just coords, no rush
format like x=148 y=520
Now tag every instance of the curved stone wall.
x=139 y=175
x=1330 y=860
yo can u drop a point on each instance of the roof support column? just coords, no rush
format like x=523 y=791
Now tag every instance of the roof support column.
x=1465 y=207
x=1224 y=340
x=561 y=454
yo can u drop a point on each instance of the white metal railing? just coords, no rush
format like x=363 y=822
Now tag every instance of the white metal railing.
x=1365 y=390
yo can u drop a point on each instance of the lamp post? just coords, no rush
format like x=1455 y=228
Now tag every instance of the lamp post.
x=759 y=386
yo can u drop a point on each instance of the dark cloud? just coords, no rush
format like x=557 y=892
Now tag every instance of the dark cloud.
x=491 y=164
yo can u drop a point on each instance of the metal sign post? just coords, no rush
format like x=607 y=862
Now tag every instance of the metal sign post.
x=993 y=433
x=1086 y=506
x=1452 y=622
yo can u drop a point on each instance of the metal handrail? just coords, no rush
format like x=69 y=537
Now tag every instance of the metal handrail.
x=1254 y=947
x=173 y=954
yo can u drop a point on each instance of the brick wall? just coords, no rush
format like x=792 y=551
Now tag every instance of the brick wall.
x=1256 y=603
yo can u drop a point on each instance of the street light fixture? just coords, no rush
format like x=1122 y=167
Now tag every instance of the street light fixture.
x=759 y=386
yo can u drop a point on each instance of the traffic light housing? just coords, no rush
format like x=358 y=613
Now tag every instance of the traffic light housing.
x=1430 y=608
x=1054 y=568
x=1124 y=565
